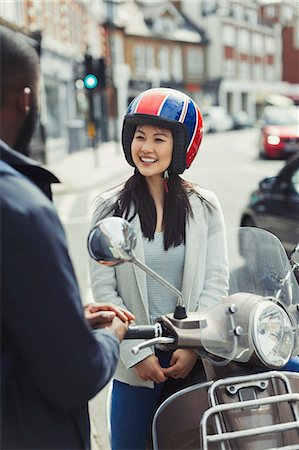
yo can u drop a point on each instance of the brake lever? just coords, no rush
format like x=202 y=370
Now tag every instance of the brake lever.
x=150 y=342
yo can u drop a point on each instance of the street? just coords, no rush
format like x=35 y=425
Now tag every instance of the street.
x=227 y=163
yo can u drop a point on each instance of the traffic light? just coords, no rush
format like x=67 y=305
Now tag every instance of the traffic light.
x=95 y=72
x=90 y=79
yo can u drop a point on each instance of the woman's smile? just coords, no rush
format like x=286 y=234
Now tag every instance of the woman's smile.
x=148 y=160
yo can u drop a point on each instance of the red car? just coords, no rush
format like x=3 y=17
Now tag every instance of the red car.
x=279 y=137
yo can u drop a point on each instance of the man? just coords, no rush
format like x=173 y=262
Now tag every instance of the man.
x=52 y=362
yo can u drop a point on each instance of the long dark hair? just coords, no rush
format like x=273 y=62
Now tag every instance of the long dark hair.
x=135 y=196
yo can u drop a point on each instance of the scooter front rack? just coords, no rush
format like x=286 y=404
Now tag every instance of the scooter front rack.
x=223 y=437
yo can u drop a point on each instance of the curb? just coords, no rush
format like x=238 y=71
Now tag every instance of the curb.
x=76 y=187
x=85 y=170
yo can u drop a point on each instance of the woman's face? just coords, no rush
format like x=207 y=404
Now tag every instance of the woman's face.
x=152 y=149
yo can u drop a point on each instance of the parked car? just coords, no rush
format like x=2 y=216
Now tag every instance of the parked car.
x=279 y=133
x=274 y=206
x=241 y=120
x=216 y=119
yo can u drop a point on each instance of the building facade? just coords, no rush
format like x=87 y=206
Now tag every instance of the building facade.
x=232 y=53
x=62 y=31
x=245 y=58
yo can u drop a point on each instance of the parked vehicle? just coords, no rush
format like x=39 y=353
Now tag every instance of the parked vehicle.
x=241 y=120
x=274 y=206
x=216 y=119
x=254 y=329
x=279 y=132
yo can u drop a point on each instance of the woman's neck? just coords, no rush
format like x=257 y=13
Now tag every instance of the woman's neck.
x=156 y=187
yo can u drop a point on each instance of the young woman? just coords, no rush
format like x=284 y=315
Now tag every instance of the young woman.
x=180 y=234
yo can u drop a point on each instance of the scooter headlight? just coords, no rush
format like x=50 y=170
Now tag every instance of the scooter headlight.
x=272 y=334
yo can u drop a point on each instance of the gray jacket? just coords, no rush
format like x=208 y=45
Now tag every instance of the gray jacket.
x=205 y=277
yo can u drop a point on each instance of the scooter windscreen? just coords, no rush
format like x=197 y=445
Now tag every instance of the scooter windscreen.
x=260 y=314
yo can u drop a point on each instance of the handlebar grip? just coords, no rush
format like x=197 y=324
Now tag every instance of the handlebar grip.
x=144 y=331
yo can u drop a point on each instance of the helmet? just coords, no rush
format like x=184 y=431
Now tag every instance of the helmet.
x=166 y=108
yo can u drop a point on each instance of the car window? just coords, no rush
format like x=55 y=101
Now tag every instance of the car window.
x=281 y=116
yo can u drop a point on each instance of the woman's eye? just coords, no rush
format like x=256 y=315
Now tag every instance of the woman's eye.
x=159 y=140
x=140 y=138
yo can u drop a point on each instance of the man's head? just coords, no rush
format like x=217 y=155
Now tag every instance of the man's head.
x=19 y=90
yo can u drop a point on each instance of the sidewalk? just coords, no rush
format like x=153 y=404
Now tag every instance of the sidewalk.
x=88 y=168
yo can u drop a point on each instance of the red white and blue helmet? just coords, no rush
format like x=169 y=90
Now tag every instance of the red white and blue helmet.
x=166 y=108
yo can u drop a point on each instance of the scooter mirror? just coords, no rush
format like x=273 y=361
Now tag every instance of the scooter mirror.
x=112 y=241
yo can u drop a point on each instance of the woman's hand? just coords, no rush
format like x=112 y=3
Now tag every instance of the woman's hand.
x=181 y=363
x=150 y=370
x=100 y=315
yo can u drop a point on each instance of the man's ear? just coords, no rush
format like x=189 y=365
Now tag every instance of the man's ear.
x=24 y=100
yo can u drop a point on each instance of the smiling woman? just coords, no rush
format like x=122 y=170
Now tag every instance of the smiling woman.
x=178 y=227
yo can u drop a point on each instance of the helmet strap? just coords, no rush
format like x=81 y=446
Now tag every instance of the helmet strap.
x=166 y=178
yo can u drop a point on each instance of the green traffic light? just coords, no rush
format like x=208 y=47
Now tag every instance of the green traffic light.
x=90 y=81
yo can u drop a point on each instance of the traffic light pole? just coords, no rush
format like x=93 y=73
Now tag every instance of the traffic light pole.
x=90 y=82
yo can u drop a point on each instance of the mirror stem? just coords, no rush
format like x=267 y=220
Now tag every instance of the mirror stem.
x=180 y=311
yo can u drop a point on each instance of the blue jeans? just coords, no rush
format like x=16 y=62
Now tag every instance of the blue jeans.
x=292 y=365
x=132 y=412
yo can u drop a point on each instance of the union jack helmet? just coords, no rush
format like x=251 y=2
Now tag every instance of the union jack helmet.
x=166 y=108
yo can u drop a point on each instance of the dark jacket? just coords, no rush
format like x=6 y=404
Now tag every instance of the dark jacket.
x=52 y=363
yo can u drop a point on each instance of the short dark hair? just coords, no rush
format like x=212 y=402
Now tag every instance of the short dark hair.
x=19 y=63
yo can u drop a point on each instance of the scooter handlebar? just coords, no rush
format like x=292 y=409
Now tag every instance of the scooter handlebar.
x=144 y=331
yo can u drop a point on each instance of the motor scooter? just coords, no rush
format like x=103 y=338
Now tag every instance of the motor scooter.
x=245 y=340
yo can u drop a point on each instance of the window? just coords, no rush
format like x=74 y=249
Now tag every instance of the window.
x=139 y=61
x=270 y=11
x=164 y=63
x=164 y=25
x=12 y=11
x=252 y=16
x=270 y=45
x=288 y=13
x=238 y=11
x=257 y=43
x=209 y=7
x=149 y=57
x=269 y=72
x=176 y=64
x=244 y=71
x=194 y=63
x=243 y=41
x=144 y=58
x=229 y=68
x=229 y=35
x=257 y=70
